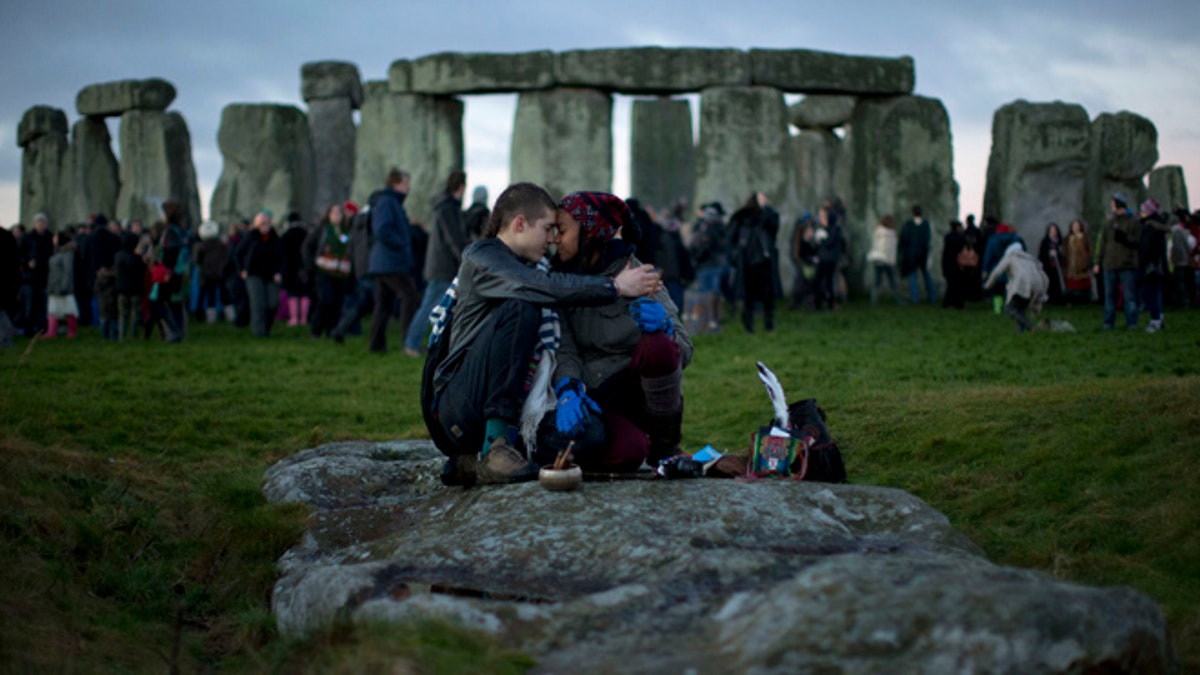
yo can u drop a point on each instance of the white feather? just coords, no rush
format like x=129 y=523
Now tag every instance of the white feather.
x=775 y=391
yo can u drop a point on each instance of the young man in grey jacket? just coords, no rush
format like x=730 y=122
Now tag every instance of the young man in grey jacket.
x=478 y=386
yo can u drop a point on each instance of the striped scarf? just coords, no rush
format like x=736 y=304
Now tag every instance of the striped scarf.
x=541 y=393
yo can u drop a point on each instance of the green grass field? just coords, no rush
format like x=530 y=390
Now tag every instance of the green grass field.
x=135 y=538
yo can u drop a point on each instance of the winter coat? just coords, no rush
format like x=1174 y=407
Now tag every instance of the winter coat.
x=131 y=273
x=673 y=257
x=61 y=279
x=997 y=244
x=391 y=250
x=1118 y=245
x=474 y=219
x=295 y=275
x=210 y=260
x=10 y=270
x=1078 y=254
x=491 y=274
x=913 y=252
x=952 y=244
x=261 y=256
x=447 y=239
x=598 y=341
x=1182 y=243
x=831 y=248
x=710 y=245
x=36 y=248
x=752 y=234
x=883 y=246
x=1026 y=278
x=1152 y=248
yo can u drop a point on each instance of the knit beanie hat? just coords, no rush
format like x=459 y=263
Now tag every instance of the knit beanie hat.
x=349 y=207
x=1149 y=207
x=600 y=215
x=480 y=195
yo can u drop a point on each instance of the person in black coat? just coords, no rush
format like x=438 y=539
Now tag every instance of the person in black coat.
x=1050 y=254
x=956 y=276
x=10 y=284
x=756 y=259
x=260 y=265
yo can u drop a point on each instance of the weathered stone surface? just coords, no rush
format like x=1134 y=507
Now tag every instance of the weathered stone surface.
x=1168 y=188
x=1037 y=170
x=562 y=140
x=42 y=134
x=415 y=133
x=93 y=181
x=652 y=70
x=478 y=73
x=399 y=77
x=156 y=165
x=662 y=157
x=1124 y=148
x=331 y=79
x=268 y=162
x=38 y=121
x=821 y=112
x=331 y=123
x=110 y=99
x=703 y=576
x=743 y=146
x=812 y=72
x=899 y=154
x=817 y=155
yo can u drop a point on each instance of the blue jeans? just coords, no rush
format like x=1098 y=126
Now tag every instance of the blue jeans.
x=930 y=293
x=1128 y=281
x=414 y=338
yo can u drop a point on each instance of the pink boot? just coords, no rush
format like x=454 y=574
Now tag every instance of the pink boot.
x=51 y=328
x=305 y=305
x=293 y=310
x=72 y=326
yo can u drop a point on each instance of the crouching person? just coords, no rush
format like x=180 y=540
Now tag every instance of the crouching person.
x=486 y=334
x=1027 y=285
x=620 y=369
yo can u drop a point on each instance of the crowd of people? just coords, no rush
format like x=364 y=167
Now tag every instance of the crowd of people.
x=137 y=283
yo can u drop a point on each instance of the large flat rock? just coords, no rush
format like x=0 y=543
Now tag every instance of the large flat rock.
x=110 y=99
x=807 y=71
x=652 y=70
x=679 y=576
x=38 y=121
x=331 y=79
x=480 y=73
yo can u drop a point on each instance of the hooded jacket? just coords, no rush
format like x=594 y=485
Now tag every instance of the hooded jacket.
x=391 y=248
x=447 y=239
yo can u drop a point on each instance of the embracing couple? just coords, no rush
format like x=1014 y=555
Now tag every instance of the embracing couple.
x=529 y=354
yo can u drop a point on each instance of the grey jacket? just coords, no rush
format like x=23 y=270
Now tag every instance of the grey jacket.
x=598 y=342
x=61 y=280
x=491 y=274
x=447 y=239
x=1026 y=278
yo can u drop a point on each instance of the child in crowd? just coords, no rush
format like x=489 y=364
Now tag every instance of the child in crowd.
x=60 y=287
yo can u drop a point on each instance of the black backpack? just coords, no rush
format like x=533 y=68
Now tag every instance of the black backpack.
x=824 y=458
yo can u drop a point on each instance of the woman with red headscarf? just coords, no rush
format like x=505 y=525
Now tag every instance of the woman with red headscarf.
x=620 y=364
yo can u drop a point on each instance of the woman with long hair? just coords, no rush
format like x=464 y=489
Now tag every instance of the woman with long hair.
x=1077 y=253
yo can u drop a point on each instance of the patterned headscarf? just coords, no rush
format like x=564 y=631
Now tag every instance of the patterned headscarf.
x=599 y=214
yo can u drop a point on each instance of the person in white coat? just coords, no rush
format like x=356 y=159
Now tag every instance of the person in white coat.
x=1027 y=285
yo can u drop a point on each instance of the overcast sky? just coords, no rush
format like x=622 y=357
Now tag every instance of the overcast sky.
x=974 y=56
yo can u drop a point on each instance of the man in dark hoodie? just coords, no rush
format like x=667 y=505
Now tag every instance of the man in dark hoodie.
x=391 y=259
x=448 y=237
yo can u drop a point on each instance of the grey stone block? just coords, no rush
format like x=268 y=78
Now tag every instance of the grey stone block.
x=38 y=121
x=562 y=140
x=478 y=73
x=821 y=112
x=268 y=162
x=662 y=156
x=331 y=79
x=652 y=70
x=115 y=98
x=156 y=165
x=812 y=72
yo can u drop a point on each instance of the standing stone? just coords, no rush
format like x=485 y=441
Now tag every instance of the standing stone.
x=156 y=165
x=268 y=162
x=332 y=90
x=817 y=154
x=562 y=140
x=93 y=177
x=743 y=146
x=899 y=153
x=411 y=132
x=1168 y=188
x=42 y=134
x=1124 y=149
x=662 y=164
x=821 y=112
x=111 y=99
x=1037 y=170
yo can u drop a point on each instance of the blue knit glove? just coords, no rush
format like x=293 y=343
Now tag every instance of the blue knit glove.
x=573 y=406
x=651 y=316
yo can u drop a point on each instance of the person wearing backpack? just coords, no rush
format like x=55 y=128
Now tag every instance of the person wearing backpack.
x=756 y=259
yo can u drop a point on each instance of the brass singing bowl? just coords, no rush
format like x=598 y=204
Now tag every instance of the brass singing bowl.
x=561 y=480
